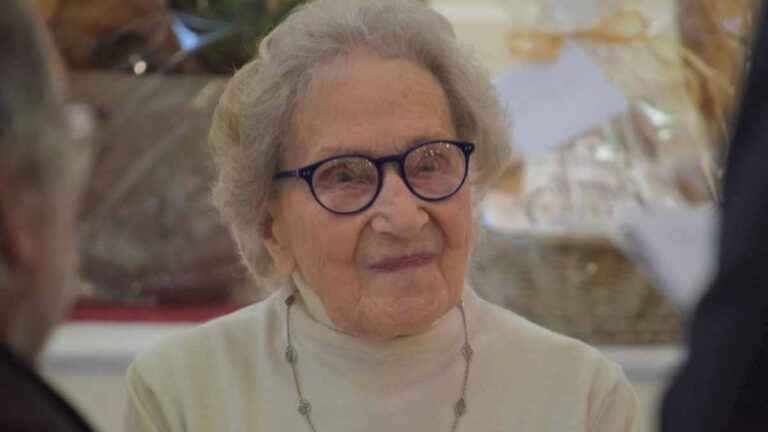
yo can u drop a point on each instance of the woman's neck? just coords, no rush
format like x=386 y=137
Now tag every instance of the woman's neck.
x=311 y=316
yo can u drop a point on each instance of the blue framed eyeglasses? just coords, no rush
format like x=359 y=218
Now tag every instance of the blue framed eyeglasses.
x=348 y=184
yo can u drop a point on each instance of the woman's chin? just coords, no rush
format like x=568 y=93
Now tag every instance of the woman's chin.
x=404 y=317
x=385 y=333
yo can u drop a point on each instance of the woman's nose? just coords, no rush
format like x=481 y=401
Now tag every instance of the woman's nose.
x=398 y=211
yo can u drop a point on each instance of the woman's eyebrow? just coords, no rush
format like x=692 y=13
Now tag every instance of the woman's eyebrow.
x=339 y=149
x=436 y=136
x=342 y=149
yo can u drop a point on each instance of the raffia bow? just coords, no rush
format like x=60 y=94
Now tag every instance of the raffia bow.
x=621 y=27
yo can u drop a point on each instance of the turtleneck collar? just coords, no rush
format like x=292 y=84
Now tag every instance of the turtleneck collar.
x=308 y=316
x=312 y=303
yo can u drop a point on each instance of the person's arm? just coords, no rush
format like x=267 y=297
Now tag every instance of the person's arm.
x=722 y=386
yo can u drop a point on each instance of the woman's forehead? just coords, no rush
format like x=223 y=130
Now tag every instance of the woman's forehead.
x=370 y=106
x=377 y=148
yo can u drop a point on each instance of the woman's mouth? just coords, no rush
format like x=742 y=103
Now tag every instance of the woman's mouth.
x=403 y=262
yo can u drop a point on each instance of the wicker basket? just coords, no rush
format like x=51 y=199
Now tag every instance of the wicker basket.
x=150 y=233
x=581 y=286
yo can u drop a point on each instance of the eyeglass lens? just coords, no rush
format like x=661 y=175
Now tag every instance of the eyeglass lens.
x=348 y=184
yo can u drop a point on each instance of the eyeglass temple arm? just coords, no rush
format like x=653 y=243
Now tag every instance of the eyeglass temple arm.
x=288 y=174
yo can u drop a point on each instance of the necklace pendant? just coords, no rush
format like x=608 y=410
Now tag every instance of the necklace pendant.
x=305 y=409
x=460 y=408
x=290 y=354
x=467 y=352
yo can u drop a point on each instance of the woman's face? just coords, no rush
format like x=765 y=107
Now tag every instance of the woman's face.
x=398 y=266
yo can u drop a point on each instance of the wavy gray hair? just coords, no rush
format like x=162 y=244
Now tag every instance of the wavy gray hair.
x=255 y=110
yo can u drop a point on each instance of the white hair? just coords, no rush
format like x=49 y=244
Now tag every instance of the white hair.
x=255 y=110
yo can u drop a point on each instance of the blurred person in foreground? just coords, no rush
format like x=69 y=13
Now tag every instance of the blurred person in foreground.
x=352 y=154
x=723 y=386
x=40 y=179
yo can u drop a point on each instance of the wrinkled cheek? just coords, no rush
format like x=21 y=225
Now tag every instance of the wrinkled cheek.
x=319 y=255
x=307 y=240
x=459 y=244
x=328 y=254
x=460 y=230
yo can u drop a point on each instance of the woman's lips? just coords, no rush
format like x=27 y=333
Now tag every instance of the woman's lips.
x=403 y=262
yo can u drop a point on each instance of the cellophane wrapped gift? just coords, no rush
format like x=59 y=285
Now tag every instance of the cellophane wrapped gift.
x=553 y=217
x=150 y=234
x=718 y=32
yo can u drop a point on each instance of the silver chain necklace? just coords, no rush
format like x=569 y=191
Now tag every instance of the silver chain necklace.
x=305 y=408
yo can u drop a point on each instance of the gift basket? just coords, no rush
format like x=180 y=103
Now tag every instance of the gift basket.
x=149 y=232
x=152 y=72
x=625 y=122
x=719 y=33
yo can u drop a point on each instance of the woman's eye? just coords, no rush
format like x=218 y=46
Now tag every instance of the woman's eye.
x=428 y=166
x=342 y=176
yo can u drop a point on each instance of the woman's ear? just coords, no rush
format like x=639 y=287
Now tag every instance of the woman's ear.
x=17 y=238
x=273 y=238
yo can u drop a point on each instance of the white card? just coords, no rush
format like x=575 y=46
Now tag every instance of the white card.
x=677 y=246
x=555 y=101
x=575 y=13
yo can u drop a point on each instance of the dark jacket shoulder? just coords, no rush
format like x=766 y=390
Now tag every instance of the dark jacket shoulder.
x=30 y=404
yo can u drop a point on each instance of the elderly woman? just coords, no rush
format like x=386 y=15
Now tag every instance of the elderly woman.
x=352 y=153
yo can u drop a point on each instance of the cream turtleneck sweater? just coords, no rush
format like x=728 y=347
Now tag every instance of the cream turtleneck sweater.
x=231 y=375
